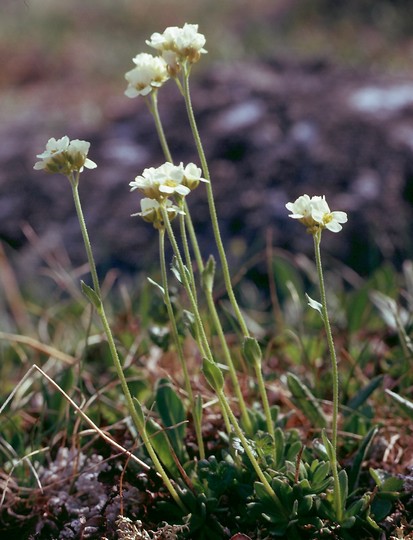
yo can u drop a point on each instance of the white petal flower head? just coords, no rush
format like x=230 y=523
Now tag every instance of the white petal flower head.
x=315 y=214
x=161 y=182
x=179 y=44
x=322 y=214
x=151 y=211
x=149 y=74
x=192 y=175
x=64 y=156
x=77 y=153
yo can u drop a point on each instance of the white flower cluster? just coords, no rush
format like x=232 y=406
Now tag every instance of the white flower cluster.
x=160 y=183
x=65 y=156
x=315 y=214
x=149 y=74
x=176 y=46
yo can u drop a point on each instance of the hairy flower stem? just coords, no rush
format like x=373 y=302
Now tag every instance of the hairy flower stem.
x=177 y=342
x=153 y=107
x=137 y=420
x=228 y=360
x=334 y=369
x=211 y=203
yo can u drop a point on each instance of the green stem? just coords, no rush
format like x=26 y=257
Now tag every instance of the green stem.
x=203 y=341
x=228 y=360
x=334 y=369
x=185 y=245
x=153 y=107
x=266 y=405
x=176 y=339
x=114 y=353
x=74 y=182
x=211 y=204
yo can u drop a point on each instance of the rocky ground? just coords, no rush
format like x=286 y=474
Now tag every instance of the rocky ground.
x=272 y=131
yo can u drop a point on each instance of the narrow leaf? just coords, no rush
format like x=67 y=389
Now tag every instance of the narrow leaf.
x=363 y=394
x=91 y=295
x=404 y=404
x=303 y=398
x=354 y=472
x=172 y=414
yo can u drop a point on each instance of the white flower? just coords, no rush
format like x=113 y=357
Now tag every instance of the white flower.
x=192 y=176
x=151 y=211
x=64 y=156
x=77 y=153
x=179 y=44
x=150 y=73
x=161 y=182
x=322 y=214
x=315 y=214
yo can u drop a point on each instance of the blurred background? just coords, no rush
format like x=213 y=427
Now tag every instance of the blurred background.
x=63 y=66
x=80 y=49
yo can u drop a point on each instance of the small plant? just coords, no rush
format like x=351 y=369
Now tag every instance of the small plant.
x=254 y=474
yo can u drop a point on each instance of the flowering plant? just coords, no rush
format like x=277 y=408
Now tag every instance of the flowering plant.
x=277 y=486
x=315 y=214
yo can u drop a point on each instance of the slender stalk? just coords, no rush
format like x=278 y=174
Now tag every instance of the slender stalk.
x=228 y=360
x=153 y=107
x=74 y=181
x=211 y=204
x=185 y=245
x=186 y=220
x=176 y=339
x=334 y=369
x=140 y=426
x=266 y=405
x=203 y=341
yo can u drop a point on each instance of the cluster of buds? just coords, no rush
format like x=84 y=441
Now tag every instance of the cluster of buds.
x=176 y=47
x=65 y=157
x=315 y=214
x=159 y=184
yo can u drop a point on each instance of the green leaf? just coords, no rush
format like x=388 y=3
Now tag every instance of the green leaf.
x=404 y=404
x=363 y=394
x=177 y=272
x=162 y=446
x=303 y=398
x=188 y=319
x=328 y=446
x=354 y=472
x=172 y=414
x=343 y=483
x=197 y=411
x=91 y=295
x=208 y=274
x=213 y=374
x=252 y=351
x=139 y=411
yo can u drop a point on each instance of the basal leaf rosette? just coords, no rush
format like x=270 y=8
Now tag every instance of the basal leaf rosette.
x=179 y=45
x=149 y=74
x=315 y=214
x=65 y=157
